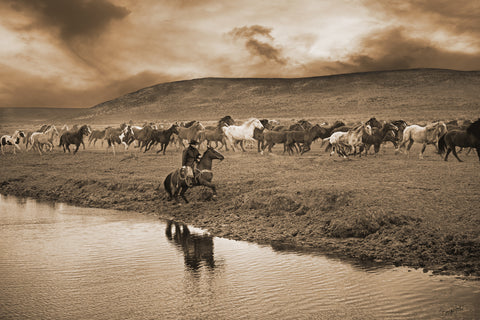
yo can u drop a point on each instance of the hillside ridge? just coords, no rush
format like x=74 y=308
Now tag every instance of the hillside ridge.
x=373 y=92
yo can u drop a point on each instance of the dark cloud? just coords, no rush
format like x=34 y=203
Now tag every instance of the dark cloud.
x=27 y=90
x=392 y=49
x=256 y=47
x=72 y=18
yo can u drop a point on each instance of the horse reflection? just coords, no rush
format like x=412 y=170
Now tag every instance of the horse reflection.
x=196 y=248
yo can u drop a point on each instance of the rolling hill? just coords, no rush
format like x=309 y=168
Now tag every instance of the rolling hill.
x=409 y=94
x=412 y=95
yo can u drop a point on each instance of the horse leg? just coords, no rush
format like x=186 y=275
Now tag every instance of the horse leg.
x=207 y=183
x=455 y=154
x=478 y=152
x=164 y=148
x=76 y=149
x=182 y=193
x=423 y=150
x=447 y=153
x=167 y=185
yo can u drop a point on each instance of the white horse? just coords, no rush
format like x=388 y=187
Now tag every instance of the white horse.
x=12 y=140
x=39 y=139
x=243 y=132
x=424 y=135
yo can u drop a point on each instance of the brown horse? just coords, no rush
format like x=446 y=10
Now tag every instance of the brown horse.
x=461 y=138
x=76 y=138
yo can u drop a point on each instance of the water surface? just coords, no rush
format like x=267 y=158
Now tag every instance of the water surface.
x=62 y=262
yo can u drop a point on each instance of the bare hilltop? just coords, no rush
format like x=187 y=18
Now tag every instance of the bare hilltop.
x=407 y=94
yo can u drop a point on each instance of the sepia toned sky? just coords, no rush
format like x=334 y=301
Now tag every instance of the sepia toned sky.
x=77 y=53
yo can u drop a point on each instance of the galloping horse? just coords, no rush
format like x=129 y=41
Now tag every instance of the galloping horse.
x=461 y=138
x=12 y=140
x=350 y=139
x=95 y=135
x=39 y=139
x=118 y=136
x=177 y=182
x=216 y=134
x=189 y=133
x=160 y=136
x=76 y=138
x=243 y=132
x=424 y=135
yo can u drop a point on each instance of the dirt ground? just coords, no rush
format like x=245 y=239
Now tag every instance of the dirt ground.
x=390 y=208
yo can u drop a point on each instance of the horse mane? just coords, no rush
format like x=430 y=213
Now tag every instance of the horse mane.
x=474 y=129
x=225 y=120
x=189 y=124
x=249 y=121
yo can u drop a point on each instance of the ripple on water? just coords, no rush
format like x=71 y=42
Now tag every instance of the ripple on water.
x=59 y=261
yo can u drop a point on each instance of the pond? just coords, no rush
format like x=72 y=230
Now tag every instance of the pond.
x=63 y=262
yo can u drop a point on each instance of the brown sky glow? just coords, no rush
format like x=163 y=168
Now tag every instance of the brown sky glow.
x=77 y=53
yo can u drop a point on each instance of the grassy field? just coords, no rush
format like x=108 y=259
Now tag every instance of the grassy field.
x=387 y=208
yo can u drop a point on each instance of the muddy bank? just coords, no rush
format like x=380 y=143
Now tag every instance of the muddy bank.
x=391 y=210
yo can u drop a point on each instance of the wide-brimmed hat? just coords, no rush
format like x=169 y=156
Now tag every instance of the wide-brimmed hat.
x=193 y=142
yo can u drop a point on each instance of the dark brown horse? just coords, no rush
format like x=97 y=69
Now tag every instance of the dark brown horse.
x=159 y=136
x=469 y=138
x=75 y=137
x=177 y=182
x=379 y=134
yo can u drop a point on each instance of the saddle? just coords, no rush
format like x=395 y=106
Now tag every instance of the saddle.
x=184 y=173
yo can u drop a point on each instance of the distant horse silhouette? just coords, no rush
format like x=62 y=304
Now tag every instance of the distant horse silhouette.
x=424 y=135
x=179 y=181
x=75 y=137
x=461 y=138
x=242 y=132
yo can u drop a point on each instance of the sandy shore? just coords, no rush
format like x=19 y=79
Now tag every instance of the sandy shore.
x=387 y=209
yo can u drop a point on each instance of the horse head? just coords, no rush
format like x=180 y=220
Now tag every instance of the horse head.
x=174 y=128
x=213 y=154
x=84 y=130
x=256 y=123
x=474 y=129
x=228 y=120
x=373 y=122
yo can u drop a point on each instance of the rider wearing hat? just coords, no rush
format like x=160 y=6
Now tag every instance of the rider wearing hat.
x=191 y=155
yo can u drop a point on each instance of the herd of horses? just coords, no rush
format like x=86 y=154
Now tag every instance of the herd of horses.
x=338 y=138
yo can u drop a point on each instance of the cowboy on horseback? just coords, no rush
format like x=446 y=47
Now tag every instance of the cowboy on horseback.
x=190 y=159
x=191 y=155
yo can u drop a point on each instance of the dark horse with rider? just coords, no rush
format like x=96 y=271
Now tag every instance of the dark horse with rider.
x=196 y=170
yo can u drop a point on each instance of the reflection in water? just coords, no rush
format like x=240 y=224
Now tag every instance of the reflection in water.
x=196 y=247
x=64 y=262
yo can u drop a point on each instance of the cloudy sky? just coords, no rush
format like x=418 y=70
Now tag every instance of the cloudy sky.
x=77 y=53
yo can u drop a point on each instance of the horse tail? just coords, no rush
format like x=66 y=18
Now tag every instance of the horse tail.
x=442 y=144
x=167 y=184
